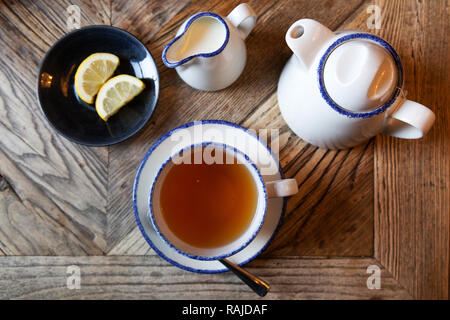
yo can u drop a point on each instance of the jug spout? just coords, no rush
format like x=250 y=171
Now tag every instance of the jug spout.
x=203 y=35
x=305 y=38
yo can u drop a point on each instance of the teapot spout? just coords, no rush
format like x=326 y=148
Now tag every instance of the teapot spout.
x=305 y=38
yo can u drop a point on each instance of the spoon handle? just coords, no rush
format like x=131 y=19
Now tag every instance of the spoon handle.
x=256 y=284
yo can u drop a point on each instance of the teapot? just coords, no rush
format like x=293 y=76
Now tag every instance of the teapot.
x=208 y=51
x=340 y=89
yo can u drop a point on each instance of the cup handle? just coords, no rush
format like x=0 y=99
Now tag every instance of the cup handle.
x=410 y=120
x=281 y=188
x=243 y=18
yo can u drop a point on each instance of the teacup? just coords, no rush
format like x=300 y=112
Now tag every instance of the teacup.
x=178 y=233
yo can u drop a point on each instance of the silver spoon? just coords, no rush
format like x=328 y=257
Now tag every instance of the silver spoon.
x=256 y=284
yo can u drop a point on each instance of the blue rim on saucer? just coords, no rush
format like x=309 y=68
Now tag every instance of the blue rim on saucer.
x=379 y=41
x=205 y=55
x=136 y=183
x=77 y=120
x=243 y=245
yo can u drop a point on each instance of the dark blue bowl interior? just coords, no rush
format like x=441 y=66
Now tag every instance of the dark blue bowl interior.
x=78 y=121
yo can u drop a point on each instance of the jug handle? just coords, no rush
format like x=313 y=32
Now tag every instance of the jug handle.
x=410 y=120
x=243 y=18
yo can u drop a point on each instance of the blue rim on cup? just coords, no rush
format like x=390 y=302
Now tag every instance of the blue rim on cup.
x=138 y=183
x=236 y=245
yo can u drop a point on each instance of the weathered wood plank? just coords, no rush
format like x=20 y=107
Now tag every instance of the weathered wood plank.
x=132 y=244
x=412 y=178
x=146 y=19
x=149 y=277
x=27 y=230
x=178 y=103
x=62 y=185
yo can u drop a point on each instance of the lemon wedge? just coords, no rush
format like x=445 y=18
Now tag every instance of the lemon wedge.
x=92 y=73
x=115 y=93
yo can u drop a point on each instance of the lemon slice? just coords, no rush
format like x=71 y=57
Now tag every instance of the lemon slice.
x=115 y=93
x=92 y=73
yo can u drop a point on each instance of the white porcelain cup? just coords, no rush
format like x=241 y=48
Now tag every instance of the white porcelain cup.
x=280 y=188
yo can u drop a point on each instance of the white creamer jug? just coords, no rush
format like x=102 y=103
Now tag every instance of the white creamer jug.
x=208 y=51
x=340 y=89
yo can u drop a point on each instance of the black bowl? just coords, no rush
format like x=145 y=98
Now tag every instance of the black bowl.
x=73 y=118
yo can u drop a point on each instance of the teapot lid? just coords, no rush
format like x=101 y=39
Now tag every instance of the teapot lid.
x=360 y=75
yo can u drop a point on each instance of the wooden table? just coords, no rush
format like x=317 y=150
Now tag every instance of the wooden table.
x=384 y=203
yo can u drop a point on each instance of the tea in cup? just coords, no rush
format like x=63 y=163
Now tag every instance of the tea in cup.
x=208 y=201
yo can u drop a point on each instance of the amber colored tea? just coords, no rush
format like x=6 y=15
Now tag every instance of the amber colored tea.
x=208 y=205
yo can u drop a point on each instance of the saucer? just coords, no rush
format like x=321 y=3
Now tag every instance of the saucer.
x=220 y=132
x=77 y=120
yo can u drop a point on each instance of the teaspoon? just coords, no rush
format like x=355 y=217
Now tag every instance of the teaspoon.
x=256 y=284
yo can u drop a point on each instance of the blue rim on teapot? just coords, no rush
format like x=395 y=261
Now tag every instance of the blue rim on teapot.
x=379 y=41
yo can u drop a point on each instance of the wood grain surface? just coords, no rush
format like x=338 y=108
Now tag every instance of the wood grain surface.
x=243 y=103
x=149 y=277
x=63 y=186
x=383 y=203
x=412 y=178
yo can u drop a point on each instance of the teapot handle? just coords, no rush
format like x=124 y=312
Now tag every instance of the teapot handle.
x=243 y=18
x=410 y=120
